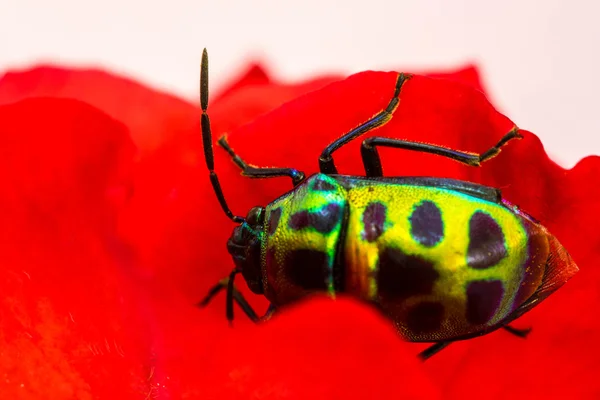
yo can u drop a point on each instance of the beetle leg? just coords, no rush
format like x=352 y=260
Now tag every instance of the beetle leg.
x=269 y=313
x=326 y=164
x=522 y=333
x=372 y=161
x=433 y=350
x=236 y=295
x=257 y=172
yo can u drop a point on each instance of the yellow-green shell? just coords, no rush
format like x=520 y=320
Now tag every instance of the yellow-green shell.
x=442 y=264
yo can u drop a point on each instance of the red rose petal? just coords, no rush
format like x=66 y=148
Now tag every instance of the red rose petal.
x=253 y=75
x=559 y=358
x=71 y=325
x=452 y=115
x=319 y=350
x=467 y=75
x=152 y=117
x=171 y=186
x=179 y=201
x=179 y=232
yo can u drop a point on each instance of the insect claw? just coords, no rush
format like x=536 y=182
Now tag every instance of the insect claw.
x=522 y=333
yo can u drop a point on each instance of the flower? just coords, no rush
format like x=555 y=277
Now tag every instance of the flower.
x=111 y=233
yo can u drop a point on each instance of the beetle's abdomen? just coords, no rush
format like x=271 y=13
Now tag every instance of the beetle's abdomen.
x=440 y=263
x=302 y=236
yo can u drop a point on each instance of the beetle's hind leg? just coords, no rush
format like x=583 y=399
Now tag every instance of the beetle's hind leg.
x=433 y=350
x=439 y=346
x=522 y=333
x=372 y=161
x=326 y=163
x=259 y=172
x=269 y=313
x=237 y=297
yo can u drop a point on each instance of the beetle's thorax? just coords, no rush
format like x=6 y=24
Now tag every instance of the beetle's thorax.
x=244 y=245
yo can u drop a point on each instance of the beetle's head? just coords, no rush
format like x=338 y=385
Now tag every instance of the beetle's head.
x=244 y=245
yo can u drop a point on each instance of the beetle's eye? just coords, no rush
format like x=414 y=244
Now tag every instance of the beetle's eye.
x=256 y=216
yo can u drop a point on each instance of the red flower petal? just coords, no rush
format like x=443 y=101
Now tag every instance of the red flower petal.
x=559 y=358
x=319 y=350
x=166 y=132
x=179 y=233
x=154 y=118
x=71 y=325
x=170 y=182
x=452 y=115
x=151 y=117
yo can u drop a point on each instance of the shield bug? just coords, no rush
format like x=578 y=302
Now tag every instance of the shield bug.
x=444 y=259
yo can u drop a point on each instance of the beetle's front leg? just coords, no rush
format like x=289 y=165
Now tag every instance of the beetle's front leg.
x=237 y=296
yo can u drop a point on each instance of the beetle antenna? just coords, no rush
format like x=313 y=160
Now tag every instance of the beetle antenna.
x=207 y=140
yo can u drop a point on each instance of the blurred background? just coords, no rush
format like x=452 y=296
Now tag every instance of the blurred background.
x=539 y=59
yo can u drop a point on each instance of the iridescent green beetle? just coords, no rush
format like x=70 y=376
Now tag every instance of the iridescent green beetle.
x=444 y=259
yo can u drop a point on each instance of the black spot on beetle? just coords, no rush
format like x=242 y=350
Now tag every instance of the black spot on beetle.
x=274 y=220
x=401 y=276
x=308 y=268
x=373 y=221
x=425 y=317
x=327 y=218
x=426 y=225
x=487 y=246
x=323 y=186
x=483 y=300
x=323 y=220
x=299 y=220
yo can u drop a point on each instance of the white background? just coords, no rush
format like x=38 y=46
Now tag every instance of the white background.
x=540 y=59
